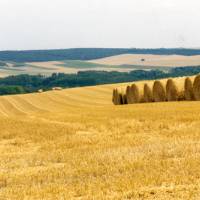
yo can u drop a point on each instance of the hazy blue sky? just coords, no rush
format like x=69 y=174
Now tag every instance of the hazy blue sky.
x=42 y=24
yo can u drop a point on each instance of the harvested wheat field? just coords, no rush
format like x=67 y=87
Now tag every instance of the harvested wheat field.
x=75 y=144
x=150 y=60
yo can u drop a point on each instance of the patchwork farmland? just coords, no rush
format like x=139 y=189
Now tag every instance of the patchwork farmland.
x=120 y=63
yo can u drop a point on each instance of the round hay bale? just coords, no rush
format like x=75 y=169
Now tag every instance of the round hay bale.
x=135 y=93
x=124 y=99
x=116 y=100
x=159 y=94
x=196 y=87
x=188 y=88
x=123 y=96
x=142 y=99
x=148 y=95
x=119 y=96
x=114 y=97
x=129 y=95
x=172 y=92
x=119 y=100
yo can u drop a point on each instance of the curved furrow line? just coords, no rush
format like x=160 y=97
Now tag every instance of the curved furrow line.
x=27 y=105
x=41 y=102
x=69 y=101
x=88 y=95
x=16 y=108
x=98 y=93
x=73 y=99
x=54 y=103
x=87 y=100
x=103 y=89
x=11 y=108
x=3 y=111
x=16 y=105
x=77 y=102
x=19 y=106
x=77 y=99
x=85 y=95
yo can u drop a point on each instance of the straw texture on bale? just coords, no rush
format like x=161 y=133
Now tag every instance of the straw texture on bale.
x=148 y=95
x=172 y=92
x=114 y=97
x=129 y=95
x=196 y=87
x=189 y=92
x=135 y=93
x=119 y=100
x=124 y=99
x=176 y=89
x=159 y=93
x=123 y=95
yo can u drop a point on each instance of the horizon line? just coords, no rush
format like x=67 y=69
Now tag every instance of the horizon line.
x=49 y=49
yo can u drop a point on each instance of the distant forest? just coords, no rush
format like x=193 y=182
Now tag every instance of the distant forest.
x=26 y=83
x=85 y=54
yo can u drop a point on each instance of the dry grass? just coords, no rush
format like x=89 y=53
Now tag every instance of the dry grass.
x=48 y=65
x=52 y=66
x=75 y=144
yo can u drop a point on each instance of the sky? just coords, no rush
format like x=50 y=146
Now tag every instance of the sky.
x=58 y=24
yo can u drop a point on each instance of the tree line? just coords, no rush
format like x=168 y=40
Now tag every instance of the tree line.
x=25 y=83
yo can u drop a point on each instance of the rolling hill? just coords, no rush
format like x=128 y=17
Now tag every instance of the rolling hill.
x=150 y=60
x=120 y=63
x=85 y=53
x=69 y=61
x=75 y=144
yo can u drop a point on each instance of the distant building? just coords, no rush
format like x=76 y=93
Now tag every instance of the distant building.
x=56 y=88
x=40 y=90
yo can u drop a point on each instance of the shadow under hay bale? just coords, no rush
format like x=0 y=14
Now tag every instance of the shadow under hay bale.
x=159 y=94
x=189 y=92
x=148 y=95
x=196 y=87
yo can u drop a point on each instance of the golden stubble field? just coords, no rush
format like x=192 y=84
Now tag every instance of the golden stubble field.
x=74 y=144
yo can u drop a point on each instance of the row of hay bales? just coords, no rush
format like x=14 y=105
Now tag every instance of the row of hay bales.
x=179 y=89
